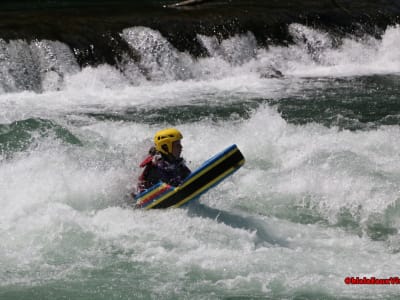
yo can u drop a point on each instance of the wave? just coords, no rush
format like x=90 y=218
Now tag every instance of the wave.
x=22 y=134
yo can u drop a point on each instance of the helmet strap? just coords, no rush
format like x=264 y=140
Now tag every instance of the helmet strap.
x=165 y=148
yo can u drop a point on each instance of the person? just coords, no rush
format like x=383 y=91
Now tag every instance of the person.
x=164 y=162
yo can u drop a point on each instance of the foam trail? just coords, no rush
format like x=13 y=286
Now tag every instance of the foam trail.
x=263 y=232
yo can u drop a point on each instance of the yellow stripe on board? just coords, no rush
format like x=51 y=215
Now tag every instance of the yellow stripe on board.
x=232 y=169
x=157 y=190
x=162 y=199
x=210 y=166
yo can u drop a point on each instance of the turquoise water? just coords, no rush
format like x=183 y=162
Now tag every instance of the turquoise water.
x=317 y=200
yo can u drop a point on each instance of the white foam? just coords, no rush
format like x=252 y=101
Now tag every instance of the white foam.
x=63 y=200
x=315 y=54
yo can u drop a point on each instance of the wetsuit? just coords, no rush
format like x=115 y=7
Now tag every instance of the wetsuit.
x=158 y=167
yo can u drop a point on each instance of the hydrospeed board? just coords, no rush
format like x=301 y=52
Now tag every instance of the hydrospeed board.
x=208 y=175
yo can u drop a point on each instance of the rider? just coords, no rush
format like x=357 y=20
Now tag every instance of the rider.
x=164 y=161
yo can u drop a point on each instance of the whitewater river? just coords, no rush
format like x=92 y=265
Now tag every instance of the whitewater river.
x=316 y=202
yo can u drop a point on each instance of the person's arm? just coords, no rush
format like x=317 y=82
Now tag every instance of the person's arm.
x=150 y=174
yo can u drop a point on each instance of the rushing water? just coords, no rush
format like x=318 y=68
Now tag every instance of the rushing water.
x=317 y=200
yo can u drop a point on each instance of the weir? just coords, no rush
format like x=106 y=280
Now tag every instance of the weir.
x=92 y=29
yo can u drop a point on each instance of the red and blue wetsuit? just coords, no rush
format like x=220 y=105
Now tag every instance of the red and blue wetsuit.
x=159 y=167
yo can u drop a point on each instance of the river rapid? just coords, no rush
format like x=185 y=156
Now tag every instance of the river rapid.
x=316 y=202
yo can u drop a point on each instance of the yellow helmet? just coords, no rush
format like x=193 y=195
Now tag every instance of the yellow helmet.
x=166 y=137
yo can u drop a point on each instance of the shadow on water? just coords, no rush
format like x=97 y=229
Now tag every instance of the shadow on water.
x=263 y=233
x=183 y=113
